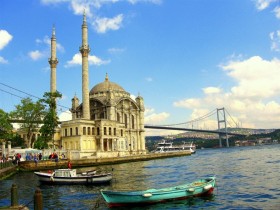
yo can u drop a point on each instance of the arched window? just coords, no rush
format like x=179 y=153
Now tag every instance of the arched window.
x=92 y=131
x=118 y=117
x=84 y=131
x=77 y=132
x=110 y=131
x=132 y=121
x=88 y=131
x=65 y=132
x=105 y=131
x=71 y=132
x=125 y=120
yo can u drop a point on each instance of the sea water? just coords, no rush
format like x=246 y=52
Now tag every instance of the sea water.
x=247 y=178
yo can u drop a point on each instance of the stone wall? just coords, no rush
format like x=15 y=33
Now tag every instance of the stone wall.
x=51 y=164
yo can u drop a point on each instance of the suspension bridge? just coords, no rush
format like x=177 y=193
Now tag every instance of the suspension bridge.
x=220 y=114
x=222 y=130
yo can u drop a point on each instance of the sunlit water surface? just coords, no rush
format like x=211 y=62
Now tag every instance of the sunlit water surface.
x=247 y=178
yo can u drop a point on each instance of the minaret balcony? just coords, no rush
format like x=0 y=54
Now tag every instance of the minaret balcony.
x=84 y=47
x=53 y=61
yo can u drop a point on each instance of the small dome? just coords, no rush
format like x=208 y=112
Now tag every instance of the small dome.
x=105 y=86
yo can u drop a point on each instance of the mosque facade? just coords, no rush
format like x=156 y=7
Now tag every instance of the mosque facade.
x=108 y=122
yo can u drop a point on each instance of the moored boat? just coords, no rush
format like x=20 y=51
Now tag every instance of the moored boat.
x=166 y=146
x=70 y=176
x=198 y=188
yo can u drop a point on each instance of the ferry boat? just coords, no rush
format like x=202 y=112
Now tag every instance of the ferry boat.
x=166 y=146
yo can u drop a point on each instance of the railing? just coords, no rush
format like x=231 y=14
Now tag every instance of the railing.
x=6 y=164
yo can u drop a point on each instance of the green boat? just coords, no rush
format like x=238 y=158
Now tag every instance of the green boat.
x=198 y=188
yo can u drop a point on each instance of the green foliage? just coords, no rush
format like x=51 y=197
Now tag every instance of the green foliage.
x=31 y=113
x=50 y=121
x=276 y=134
x=16 y=141
x=41 y=143
x=6 y=127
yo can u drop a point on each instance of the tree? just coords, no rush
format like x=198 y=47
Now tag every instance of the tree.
x=6 y=127
x=16 y=140
x=31 y=113
x=50 y=121
x=41 y=143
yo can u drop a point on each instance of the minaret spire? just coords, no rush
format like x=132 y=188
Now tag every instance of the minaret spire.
x=53 y=62
x=85 y=17
x=84 y=50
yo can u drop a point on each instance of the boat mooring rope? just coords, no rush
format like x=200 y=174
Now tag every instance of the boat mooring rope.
x=99 y=201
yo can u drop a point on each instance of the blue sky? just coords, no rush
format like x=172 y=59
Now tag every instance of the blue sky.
x=184 y=57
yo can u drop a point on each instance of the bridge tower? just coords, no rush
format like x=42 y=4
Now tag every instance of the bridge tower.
x=222 y=120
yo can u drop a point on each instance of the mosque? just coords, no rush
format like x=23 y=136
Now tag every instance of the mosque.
x=108 y=122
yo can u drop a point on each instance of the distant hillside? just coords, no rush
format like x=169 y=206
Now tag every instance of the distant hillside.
x=212 y=141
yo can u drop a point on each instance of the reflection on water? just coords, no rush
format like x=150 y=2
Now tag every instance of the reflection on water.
x=247 y=178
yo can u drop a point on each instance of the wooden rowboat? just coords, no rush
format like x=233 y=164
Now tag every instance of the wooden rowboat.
x=202 y=187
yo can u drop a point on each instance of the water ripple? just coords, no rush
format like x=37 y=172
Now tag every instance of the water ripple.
x=247 y=178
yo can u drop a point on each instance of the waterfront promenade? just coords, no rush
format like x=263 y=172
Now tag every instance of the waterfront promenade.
x=8 y=171
x=62 y=163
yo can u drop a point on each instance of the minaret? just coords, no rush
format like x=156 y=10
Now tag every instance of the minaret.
x=53 y=62
x=84 y=49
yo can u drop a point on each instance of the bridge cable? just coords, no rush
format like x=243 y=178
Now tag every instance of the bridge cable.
x=236 y=124
x=194 y=120
x=25 y=93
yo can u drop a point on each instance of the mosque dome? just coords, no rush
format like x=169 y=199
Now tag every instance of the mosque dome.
x=105 y=86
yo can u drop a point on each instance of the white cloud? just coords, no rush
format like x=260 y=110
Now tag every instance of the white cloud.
x=149 y=1
x=256 y=77
x=102 y=25
x=53 y=1
x=251 y=101
x=46 y=45
x=3 y=60
x=35 y=55
x=149 y=79
x=76 y=60
x=149 y=111
x=96 y=3
x=159 y=132
x=187 y=103
x=277 y=12
x=211 y=90
x=79 y=7
x=116 y=50
x=92 y=59
x=275 y=41
x=65 y=116
x=47 y=40
x=155 y=118
x=263 y=4
x=5 y=38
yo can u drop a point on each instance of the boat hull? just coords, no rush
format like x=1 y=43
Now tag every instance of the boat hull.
x=151 y=196
x=47 y=178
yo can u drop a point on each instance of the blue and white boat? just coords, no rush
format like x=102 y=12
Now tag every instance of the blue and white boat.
x=166 y=146
x=70 y=176
x=198 y=188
